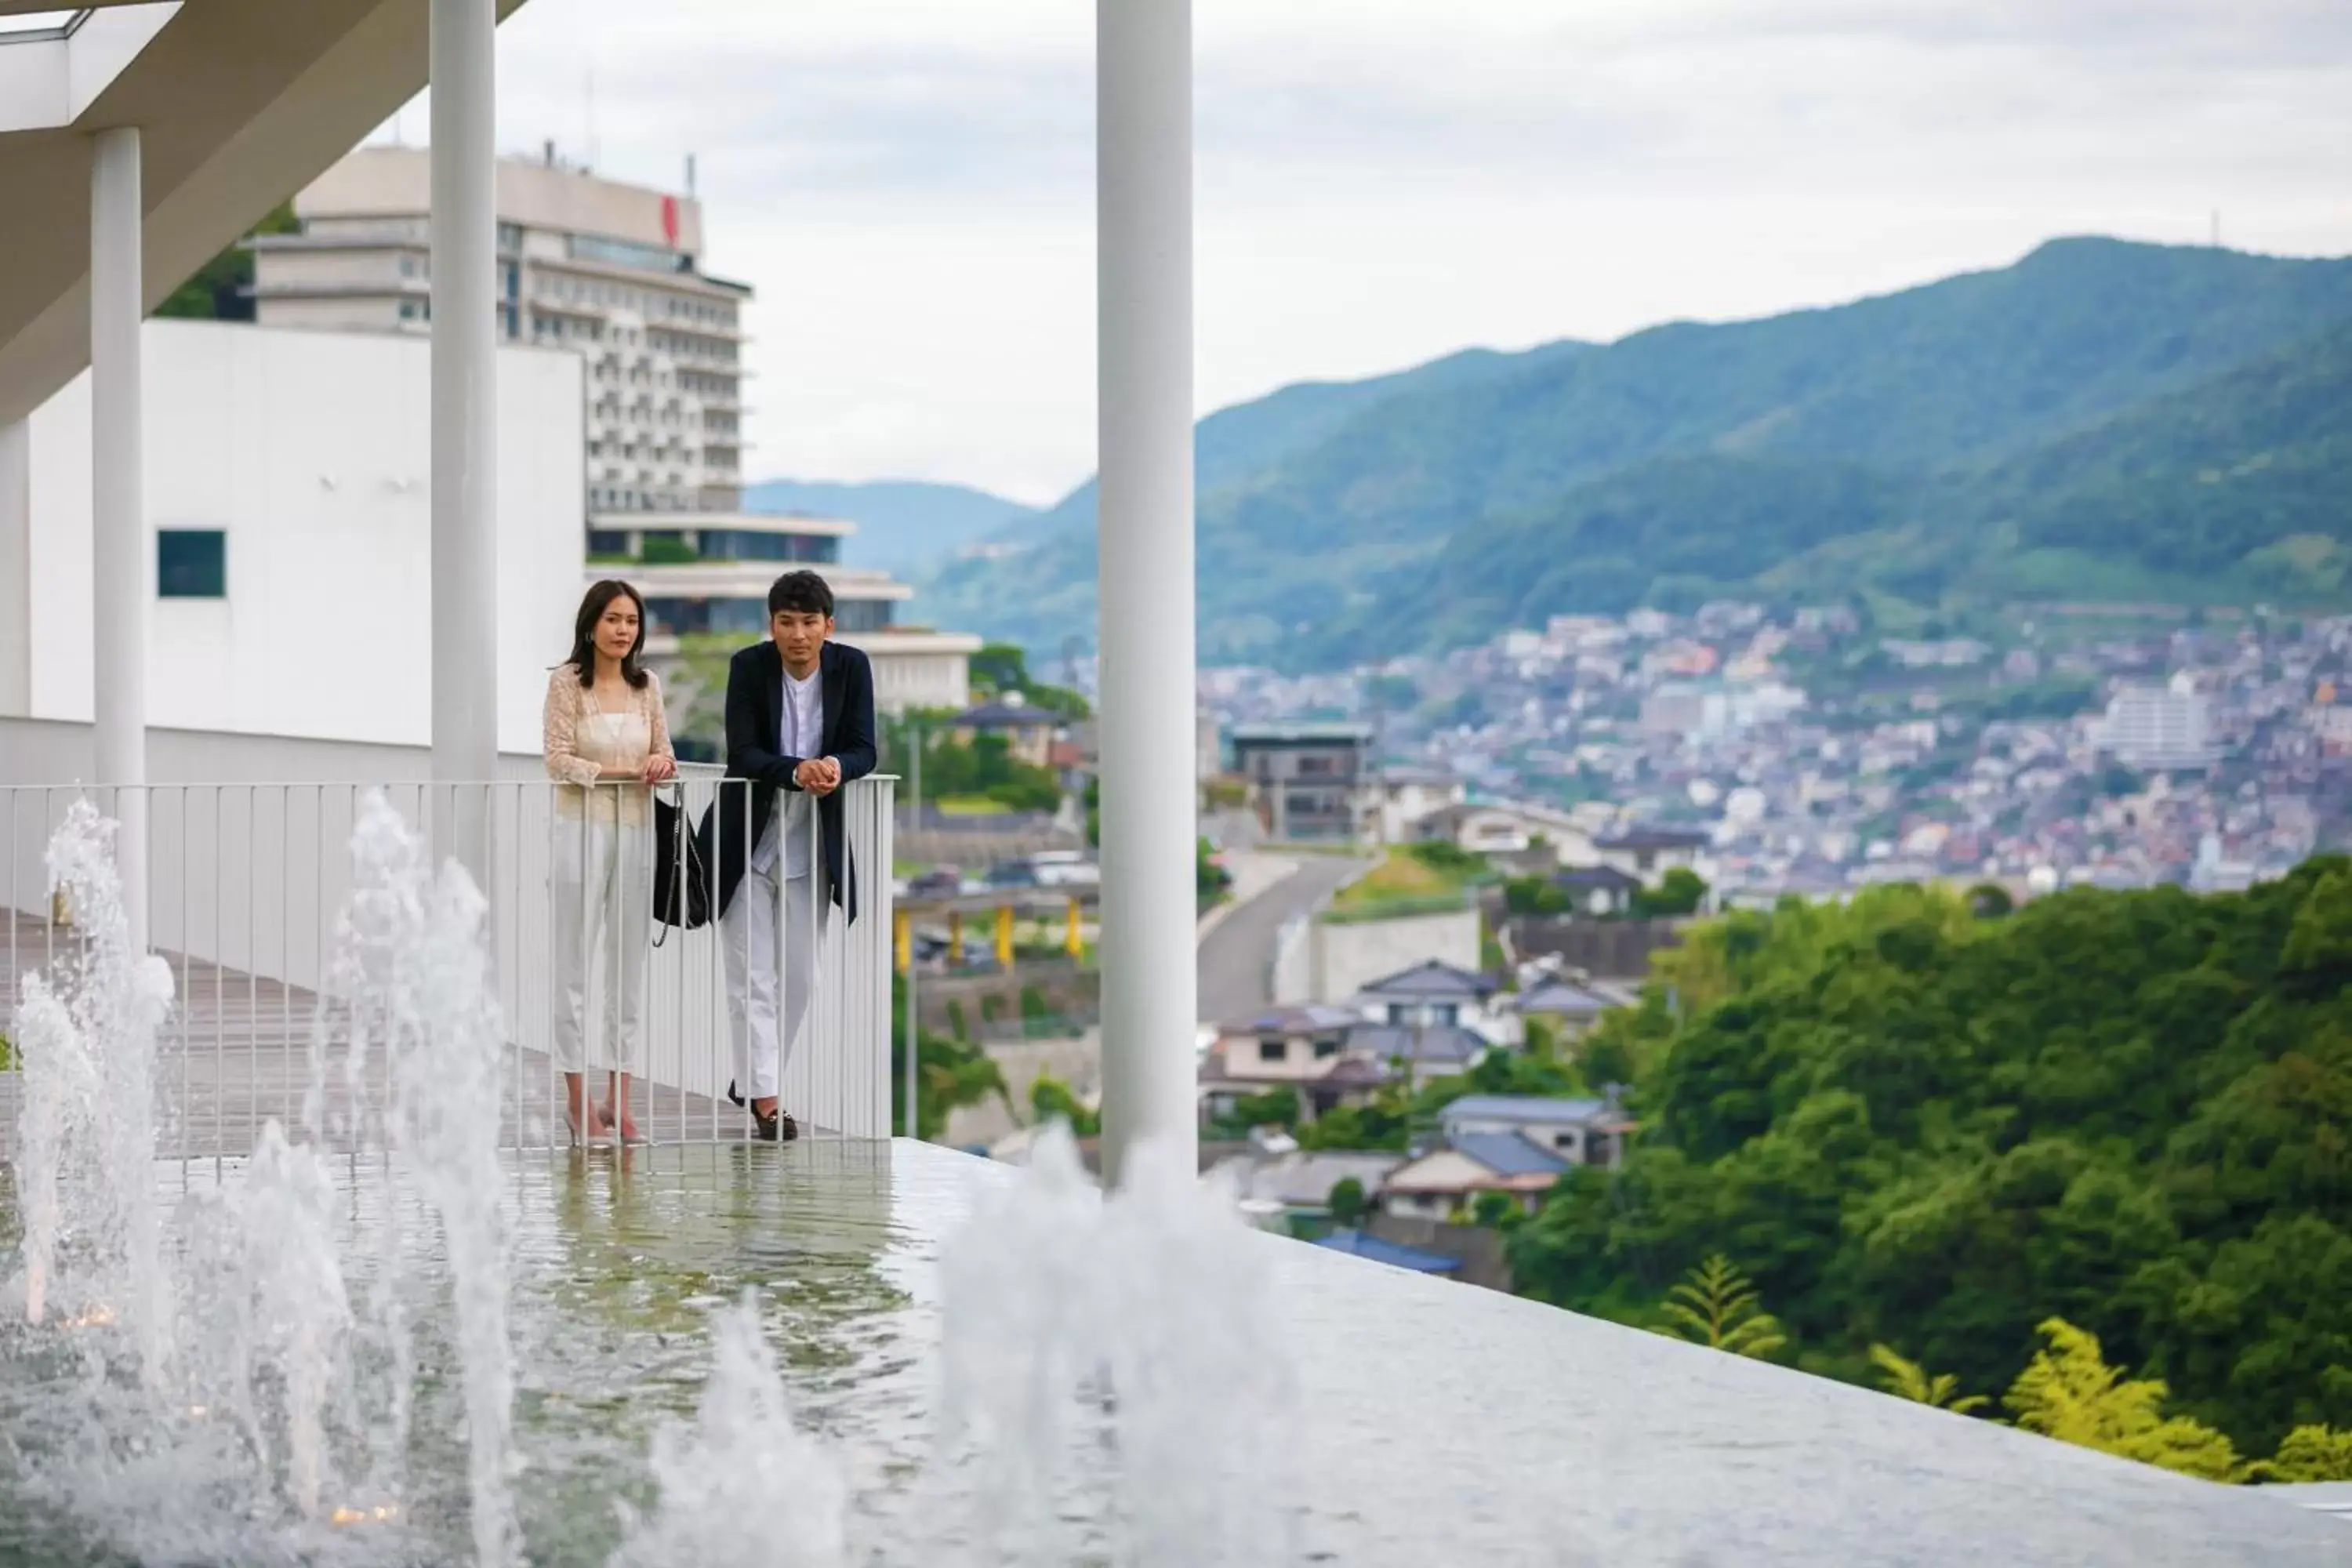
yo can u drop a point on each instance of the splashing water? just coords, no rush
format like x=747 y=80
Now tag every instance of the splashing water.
x=285 y=1396
x=1109 y=1378
x=1109 y=1390
x=88 y=1123
x=416 y=968
x=742 y=1487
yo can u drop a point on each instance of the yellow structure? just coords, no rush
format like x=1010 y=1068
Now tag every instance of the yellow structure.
x=1074 y=940
x=1004 y=936
x=902 y=938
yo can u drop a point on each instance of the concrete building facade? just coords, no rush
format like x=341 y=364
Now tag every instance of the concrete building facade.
x=608 y=270
x=611 y=273
x=288 y=561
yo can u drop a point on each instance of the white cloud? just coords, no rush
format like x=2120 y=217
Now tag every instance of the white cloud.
x=909 y=183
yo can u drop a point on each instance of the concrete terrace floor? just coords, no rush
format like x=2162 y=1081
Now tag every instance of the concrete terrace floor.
x=236 y=1054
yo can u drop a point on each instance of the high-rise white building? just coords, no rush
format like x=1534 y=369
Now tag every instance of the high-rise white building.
x=2158 y=727
x=613 y=272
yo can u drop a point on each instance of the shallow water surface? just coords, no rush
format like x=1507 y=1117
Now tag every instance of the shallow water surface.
x=620 y=1257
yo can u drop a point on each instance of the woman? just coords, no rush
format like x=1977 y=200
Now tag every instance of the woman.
x=607 y=743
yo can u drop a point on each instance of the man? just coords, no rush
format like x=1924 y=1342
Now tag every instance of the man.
x=799 y=725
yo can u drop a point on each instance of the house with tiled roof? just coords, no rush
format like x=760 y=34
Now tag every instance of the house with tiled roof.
x=1303 y=1048
x=1569 y=1008
x=1436 y=994
x=1446 y=1181
x=1580 y=1132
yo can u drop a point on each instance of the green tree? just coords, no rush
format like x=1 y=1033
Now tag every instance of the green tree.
x=1909 y=1380
x=1209 y=880
x=1347 y=1202
x=1923 y=1128
x=1275 y=1107
x=1718 y=1307
x=1679 y=892
x=221 y=290
x=2069 y=1392
x=1051 y=1100
x=1990 y=902
x=1534 y=896
x=2308 y=1454
x=1002 y=669
x=1496 y=1211
x=949 y=1074
x=987 y=768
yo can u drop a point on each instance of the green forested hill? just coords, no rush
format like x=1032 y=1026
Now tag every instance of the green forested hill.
x=1914 y=1127
x=1047 y=594
x=2239 y=485
x=1693 y=457
x=2206 y=480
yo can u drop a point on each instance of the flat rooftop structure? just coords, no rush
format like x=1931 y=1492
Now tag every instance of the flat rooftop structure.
x=1261 y=735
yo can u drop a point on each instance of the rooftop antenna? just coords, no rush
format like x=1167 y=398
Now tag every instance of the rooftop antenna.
x=689 y=174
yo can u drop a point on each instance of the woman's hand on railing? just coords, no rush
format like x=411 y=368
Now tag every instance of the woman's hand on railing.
x=659 y=769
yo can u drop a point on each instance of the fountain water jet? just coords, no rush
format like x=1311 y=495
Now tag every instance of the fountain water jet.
x=742 y=1486
x=281 y=1390
x=87 y=1035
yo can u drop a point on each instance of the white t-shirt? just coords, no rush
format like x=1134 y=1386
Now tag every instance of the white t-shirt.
x=800 y=731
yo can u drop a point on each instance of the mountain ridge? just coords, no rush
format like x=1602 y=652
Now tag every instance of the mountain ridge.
x=1312 y=534
x=902 y=524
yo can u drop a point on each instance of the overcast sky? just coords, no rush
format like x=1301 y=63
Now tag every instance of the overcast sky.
x=909 y=184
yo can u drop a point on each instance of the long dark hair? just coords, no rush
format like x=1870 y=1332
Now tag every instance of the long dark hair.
x=583 y=632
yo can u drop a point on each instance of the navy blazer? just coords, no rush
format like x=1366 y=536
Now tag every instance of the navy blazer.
x=755 y=697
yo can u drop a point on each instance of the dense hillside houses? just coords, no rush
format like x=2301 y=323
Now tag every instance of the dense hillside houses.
x=2118 y=745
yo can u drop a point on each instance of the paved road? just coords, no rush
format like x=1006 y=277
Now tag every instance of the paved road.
x=1236 y=955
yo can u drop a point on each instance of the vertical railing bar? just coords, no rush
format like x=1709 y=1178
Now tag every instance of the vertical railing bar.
x=811 y=1012
x=220 y=996
x=514 y=902
x=861 y=1074
x=684 y=827
x=285 y=939
x=318 y=941
x=180 y=1113
x=252 y=965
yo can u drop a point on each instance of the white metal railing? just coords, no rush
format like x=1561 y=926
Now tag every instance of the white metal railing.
x=247 y=882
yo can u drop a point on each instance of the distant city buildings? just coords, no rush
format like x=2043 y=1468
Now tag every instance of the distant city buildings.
x=611 y=272
x=2052 y=746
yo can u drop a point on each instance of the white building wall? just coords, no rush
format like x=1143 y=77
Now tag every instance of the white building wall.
x=313 y=453
x=908 y=674
x=1345 y=957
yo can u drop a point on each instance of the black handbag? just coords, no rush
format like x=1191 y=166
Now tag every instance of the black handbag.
x=681 y=868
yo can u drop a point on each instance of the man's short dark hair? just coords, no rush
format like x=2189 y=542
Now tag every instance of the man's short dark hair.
x=803 y=593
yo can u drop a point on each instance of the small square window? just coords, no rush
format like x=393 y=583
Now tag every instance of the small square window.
x=1273 y=1050
x=191 y=563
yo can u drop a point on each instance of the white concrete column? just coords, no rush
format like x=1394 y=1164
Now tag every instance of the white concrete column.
x=17 y=569
x=119 y=546
x=1143 y=106
x=464 y=425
